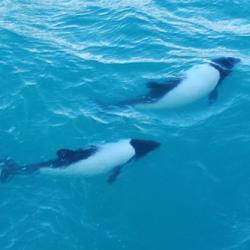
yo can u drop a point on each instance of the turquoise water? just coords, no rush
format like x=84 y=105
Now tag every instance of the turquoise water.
x=58 y=59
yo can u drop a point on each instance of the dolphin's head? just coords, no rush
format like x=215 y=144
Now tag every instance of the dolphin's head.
x=143 y=147
x=226 y=63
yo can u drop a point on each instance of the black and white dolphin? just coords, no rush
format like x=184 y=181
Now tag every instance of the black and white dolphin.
x=197 y=82
x=110 y=157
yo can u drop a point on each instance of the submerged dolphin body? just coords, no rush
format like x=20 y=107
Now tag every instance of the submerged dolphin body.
x=197 y=82
x=110 y=157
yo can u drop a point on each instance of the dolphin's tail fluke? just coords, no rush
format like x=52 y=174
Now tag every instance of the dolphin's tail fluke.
x=7 y=174
x=9 y=169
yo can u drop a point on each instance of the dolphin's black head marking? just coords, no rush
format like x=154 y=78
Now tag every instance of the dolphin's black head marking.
x=142 y=147
x=226 y=63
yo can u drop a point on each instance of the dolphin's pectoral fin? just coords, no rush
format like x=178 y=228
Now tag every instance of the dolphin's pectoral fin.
x=114 y=174
x=213 y=96
x=157 y=90
x=70 y=156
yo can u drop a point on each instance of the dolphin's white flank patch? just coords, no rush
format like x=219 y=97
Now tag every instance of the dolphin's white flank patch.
x=104 y=160
x=198 y=82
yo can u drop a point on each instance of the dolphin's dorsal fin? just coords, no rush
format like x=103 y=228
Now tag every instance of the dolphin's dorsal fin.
x=157 y=90
x=65 y=153
x=167 y=85
x=75 y=155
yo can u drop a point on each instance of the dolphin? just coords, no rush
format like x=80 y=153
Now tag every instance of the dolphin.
x=109 y=157
x=198 y=81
